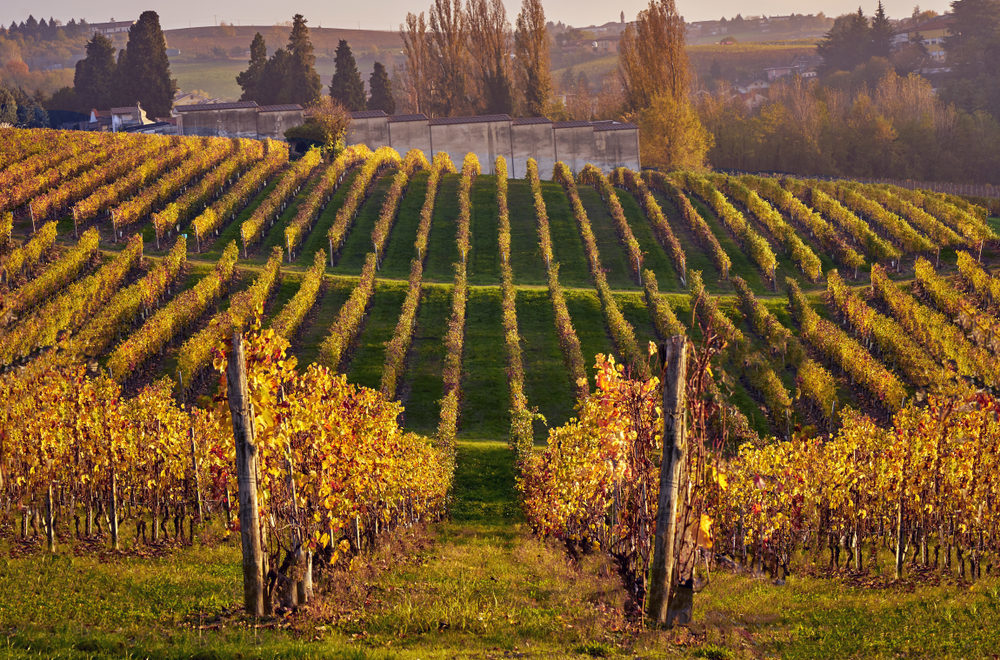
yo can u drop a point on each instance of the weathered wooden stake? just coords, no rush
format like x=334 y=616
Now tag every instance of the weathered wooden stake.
x=900 y=540
x=113 y=522
x=674 y=444
x=246 y=479
x=197 y=476
x=50 y=524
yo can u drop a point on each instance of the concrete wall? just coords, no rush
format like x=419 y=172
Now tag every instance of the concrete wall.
x=373 y=131
x=274 y=124
x=485 y=139
x=532 y=141
x=617 y=148
x=574 y=146
x=606 y=145
x=406 y=135
x=239 y=122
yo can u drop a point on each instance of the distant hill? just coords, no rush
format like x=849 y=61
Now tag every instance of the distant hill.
x=209 y=58
x=202 y=40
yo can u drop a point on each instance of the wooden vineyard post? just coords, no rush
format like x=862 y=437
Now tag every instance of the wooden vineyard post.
x=674 y=444
x=900 y=539
x=246 y=479
x=50 y=523
x=113 y=523
x=197 y=476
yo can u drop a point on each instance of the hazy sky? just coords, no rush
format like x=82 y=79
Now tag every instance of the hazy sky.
x=388 y=14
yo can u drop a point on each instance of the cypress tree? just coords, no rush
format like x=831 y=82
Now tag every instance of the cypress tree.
x=251 y=79
x=144 y=71
x=94 y=80
x=346 y=86
x=381 y=90
x=302 y=84
x=273 y=87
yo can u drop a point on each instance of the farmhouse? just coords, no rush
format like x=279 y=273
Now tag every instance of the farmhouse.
x=932 y=33
x=605 y=144
x=112 y=28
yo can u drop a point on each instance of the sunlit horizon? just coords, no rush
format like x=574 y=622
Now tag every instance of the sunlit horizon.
x=388 y=15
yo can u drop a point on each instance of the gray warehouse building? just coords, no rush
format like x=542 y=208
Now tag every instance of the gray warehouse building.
x=241 y=119
x=605 y=144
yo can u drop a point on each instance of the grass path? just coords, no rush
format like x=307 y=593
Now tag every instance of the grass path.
x=422 y=385
x=525 y=254
x=477 y=585
x=368 y=356
x=400 y=250
x=358 y=243
x=441 y=249
x=485 y=394
x=546 y=383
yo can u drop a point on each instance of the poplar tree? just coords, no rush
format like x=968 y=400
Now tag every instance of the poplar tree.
x=654 y=71
x=531 y=58
x=448 y=58
x=416 y=49
x=144 y=70
x=489 y=36
x=346 y=86
x=651 y=55
x=381 y=90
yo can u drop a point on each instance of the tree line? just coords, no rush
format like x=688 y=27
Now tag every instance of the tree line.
x=467 y=58
x=289 y=75
x=42 y=30
x=870 y=114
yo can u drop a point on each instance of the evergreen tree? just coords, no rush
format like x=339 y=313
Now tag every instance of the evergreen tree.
x=30 y=111
x=302 y=84
x=973 y=51
x=848 y=43
x=881 y=34
x=346 y=86
x=272 y=85
x=252 y=79
x=144 y=71
x=381 y=90
x=94 y=81
x=8 y=107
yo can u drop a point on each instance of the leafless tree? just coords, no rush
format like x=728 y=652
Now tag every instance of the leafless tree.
x=416 y=50
x=489 y=36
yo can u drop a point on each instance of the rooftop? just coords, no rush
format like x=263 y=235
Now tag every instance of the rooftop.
x=368 y=114
x=615 y=126
x=414 y=117
x=523 y=121
x=479 y=119
x=942 y=22
x=236 y=105
x=285 y=107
